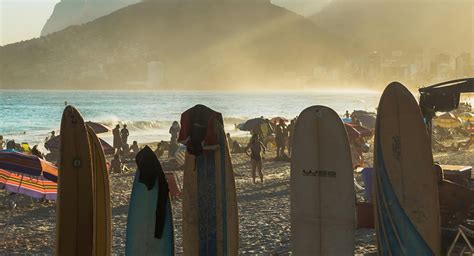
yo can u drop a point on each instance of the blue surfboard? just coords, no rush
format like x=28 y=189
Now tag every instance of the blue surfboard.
x=405 y=184
x=150 y=220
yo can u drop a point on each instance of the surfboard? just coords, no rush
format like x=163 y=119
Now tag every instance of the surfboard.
x=210 y=218
x=405 y=183
x=150 y=220
x=75 y=199
x=102 y=211
x=322 y=196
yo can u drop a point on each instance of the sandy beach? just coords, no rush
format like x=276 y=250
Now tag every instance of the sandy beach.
x=263 y=214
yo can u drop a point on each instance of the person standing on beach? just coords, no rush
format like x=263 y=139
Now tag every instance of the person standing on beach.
x=124 y=134
x=256 y=147
x=281 y=136
x=117 y=140
x=174 y=130
x=2 y=143
x=36 y=152
x=347 y=115
x=291 y=130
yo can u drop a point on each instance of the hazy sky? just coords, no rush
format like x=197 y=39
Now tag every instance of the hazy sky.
x=24 y=19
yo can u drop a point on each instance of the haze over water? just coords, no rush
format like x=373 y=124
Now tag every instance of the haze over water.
x=150 y=113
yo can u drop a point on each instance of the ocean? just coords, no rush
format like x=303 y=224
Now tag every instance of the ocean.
x=30 y=115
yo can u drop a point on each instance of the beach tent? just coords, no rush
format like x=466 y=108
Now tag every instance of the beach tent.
x=249 y=125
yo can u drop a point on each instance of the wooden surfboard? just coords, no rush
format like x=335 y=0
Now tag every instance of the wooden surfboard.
x=210 y=219
x=149 y=191
x=405 y=183
x=102 y=211
x=75 y=199
x=322 y=193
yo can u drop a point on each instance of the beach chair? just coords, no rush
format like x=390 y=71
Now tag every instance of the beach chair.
x=467 y=235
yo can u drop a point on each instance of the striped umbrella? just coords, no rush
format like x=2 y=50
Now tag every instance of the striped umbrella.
x=16 y=162
x=447 y=120
x=36 y=187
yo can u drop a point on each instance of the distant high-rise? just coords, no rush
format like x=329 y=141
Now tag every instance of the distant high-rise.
x=155 y=74
x=463 y=65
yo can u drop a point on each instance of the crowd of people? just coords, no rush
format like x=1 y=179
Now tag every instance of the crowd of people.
x=268 y=133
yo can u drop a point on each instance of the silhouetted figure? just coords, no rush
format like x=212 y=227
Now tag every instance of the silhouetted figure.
x=124 y=134
x=256 y=147
x=281 y=136
x=174 y=130
x=36 y=152
x=117 y=139
x=291 y=131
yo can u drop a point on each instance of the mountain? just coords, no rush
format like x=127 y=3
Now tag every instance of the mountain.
x=303 y=7
x=188 y=45
x=76 y=12
x=431 y=25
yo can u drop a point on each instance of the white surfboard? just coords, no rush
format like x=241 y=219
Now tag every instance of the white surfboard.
x=322 y=194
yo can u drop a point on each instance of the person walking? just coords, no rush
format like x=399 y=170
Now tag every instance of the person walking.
x=256 y=147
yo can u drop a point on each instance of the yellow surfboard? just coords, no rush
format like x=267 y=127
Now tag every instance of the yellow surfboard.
x=75 y=199
x=102 y=212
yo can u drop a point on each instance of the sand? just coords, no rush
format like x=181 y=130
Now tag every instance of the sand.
x=263 y=212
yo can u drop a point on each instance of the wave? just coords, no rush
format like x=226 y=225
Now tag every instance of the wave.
x=165 y=124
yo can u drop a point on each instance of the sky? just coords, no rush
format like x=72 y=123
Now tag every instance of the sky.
x=24 y=19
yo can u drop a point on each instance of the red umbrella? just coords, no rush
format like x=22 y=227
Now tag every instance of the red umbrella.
x=98 y=127
x=364 y=131
x=278 y=119
x=352 y=133
x=53 y=145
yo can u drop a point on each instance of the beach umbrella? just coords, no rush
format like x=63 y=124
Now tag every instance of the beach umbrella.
x=364 y=131
x=249 y=125
x=98 y=127
x=53 y=145
x=467 y=117
x=447 y=120
x=33 y=186
x=278 y=119
x=352 y=133
x=31 y=165
x=367 y=120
